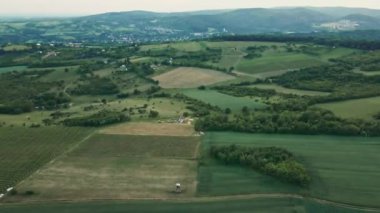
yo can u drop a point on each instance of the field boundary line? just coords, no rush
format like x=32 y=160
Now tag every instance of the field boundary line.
x=204 y=199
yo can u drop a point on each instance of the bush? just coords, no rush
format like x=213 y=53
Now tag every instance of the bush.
x=153 y=114
x=29 y=193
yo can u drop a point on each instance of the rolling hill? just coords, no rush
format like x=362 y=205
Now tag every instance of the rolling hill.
x=140 y=26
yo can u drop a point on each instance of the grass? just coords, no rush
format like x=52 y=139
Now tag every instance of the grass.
x=364 y=108
x=223 y=101
x=118 y=167
x=280 y=60
x=12 y=68
x=16 y=47
x=367 y=73
x=284 y=90
x=343 y=169
x=181 y=46
x=168 y=110
x=187 y=77
x=24 y=150
x=265 y=205
x=276 y=62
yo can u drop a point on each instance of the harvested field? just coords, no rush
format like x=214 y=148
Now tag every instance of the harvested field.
x=188 y=77
x=147 y=128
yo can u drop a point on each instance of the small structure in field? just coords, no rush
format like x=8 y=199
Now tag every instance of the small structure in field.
x=178 y=188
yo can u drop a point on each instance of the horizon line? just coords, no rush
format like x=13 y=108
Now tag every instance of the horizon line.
x=68 y=15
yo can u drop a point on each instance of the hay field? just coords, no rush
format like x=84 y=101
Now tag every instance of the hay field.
x=149 y=128
x=189 y=77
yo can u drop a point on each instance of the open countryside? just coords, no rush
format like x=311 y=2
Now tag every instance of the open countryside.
x=241 y=110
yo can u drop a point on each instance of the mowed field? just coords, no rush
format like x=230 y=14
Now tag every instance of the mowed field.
x=224 y=101
x=119 y=166
x=24 y=150
x=364 y=108
x=189 y=77
x=284 y=90
x=149 y=128
x=343 y=169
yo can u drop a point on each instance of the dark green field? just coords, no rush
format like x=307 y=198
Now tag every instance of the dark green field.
x=272 y=205
x=224 y=101
x=343 y=169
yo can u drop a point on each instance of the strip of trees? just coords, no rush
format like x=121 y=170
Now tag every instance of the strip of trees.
x=104 y=117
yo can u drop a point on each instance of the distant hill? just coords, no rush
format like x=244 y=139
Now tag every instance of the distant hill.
x=149 y=26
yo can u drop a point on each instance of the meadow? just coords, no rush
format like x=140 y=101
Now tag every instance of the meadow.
x=224 y=101
x=364 y=108
x=25 y=150
x=343 y=169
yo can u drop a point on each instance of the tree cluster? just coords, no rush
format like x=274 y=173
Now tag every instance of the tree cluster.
x=273 y=161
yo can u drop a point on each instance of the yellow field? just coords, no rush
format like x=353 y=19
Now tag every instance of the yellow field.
x=149 y=128
x=188 y=77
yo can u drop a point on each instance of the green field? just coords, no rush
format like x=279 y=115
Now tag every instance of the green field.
x=265 y=205
x=12 y=68
x=119 y=166
x=281 y=60
x=364 y=108
x=284 y=90
x=24 y=150
x=224 y=101
x=343 y=169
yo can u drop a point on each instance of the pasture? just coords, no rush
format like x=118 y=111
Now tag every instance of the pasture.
x=284 y=90
x=188 y=77
x=364 y=108
x=168 y=110
x=343 y=169
x=25 y=150
x=119 y=166
x=224 y=101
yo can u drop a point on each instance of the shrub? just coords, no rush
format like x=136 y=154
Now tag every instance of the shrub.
x=153 y=114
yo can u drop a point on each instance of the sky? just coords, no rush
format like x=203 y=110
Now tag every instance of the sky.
x=87 y=7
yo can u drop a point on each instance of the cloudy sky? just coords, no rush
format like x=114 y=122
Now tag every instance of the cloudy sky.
x=84 y=7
